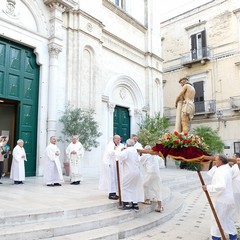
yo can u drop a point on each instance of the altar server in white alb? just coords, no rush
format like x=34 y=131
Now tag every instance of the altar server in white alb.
x=18 y=169
x=75 y=153
x=221 y=193
x=132 y=185
x=152 y=182
x=52 y=169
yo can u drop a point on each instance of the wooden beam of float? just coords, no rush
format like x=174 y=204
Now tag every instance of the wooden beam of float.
x=203 y=159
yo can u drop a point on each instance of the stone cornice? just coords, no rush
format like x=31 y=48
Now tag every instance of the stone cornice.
x=111 y=6
x=195 y=25
x=89 y=17
x=66 y=4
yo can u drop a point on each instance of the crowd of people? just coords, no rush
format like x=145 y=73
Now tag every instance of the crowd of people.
x=137 y=177
x=53 y=175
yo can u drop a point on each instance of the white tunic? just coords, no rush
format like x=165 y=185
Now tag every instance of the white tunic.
x=132 y=185
x=223 y=201
x=108 y=175
x=74 y=160
x=52 y=168
x=17 y=169
x=152 y=182
x=236 y=188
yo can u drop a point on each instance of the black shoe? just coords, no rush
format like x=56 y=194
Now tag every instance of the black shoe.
x=135 y=207
x=50 y=185
x=113 y=197
x=73 y=183
x=127 y=208
x=1 y=183
x=57 y=184
x=20 y=182
x=16 y=182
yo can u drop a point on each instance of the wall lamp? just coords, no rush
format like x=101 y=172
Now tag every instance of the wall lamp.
x=220 y=119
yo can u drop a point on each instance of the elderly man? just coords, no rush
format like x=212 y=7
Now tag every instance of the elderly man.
x=108 y=177
x=132 y=187
x=185 y=106
x=137 y=144
x=75 y=152
x=223 y=199
x=52 y=169
x=19 y=157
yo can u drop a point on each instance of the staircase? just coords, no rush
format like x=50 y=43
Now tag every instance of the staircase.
x=99 y=218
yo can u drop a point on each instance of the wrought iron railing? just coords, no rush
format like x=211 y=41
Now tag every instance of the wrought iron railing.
x=196 y=55
x=205 y=107
x=235 y=102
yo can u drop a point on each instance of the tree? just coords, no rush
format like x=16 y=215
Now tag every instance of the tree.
x=152 y=128
x=211 y=138
x=79 y=122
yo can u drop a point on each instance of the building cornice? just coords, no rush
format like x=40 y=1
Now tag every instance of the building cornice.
x=114 y=8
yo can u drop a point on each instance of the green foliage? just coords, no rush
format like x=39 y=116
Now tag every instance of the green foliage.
x=151 y=129
x=78 y=122
x=211 y=138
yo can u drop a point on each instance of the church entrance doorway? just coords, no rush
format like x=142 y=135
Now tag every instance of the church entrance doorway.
x=121 y=121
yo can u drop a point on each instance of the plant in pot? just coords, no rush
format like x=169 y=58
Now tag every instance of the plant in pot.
x=77 y=121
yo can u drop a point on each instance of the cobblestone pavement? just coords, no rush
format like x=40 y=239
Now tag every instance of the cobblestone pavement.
x=191 y=223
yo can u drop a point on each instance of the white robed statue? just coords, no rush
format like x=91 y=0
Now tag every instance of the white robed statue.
x=52 y=169
x=75 y=152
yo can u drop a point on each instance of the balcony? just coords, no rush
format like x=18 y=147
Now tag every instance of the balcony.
x=205 y=107
x=235 y=103
x=201 y=55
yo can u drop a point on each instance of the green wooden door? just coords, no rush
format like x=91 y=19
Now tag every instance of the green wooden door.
x=19 y=81
x=121 y=121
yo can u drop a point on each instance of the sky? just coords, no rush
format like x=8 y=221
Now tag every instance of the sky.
x=172 y=8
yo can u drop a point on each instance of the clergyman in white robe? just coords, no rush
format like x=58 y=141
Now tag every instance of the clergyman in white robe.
x=132 y=184
x=108 y=176
x=75 y=152
x=52 y=169
x=221 y=193
x=19 y=157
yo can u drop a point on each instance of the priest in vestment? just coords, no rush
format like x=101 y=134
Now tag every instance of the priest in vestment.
x=75 y=153
x=19 y=157
x=52 y=169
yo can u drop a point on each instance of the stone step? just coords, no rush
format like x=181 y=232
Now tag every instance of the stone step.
x=131 y=227
x=47 y=224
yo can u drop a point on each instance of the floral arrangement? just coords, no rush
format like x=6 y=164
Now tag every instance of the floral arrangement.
x=180 y=140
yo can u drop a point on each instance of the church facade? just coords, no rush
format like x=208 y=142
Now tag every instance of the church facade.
x=103 y=55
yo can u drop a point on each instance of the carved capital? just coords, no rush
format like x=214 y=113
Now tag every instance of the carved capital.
x=54 y=49
x=111 y=107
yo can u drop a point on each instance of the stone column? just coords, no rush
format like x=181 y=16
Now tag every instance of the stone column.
x=57 y=7
x=54 y=50
x=111 y=108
